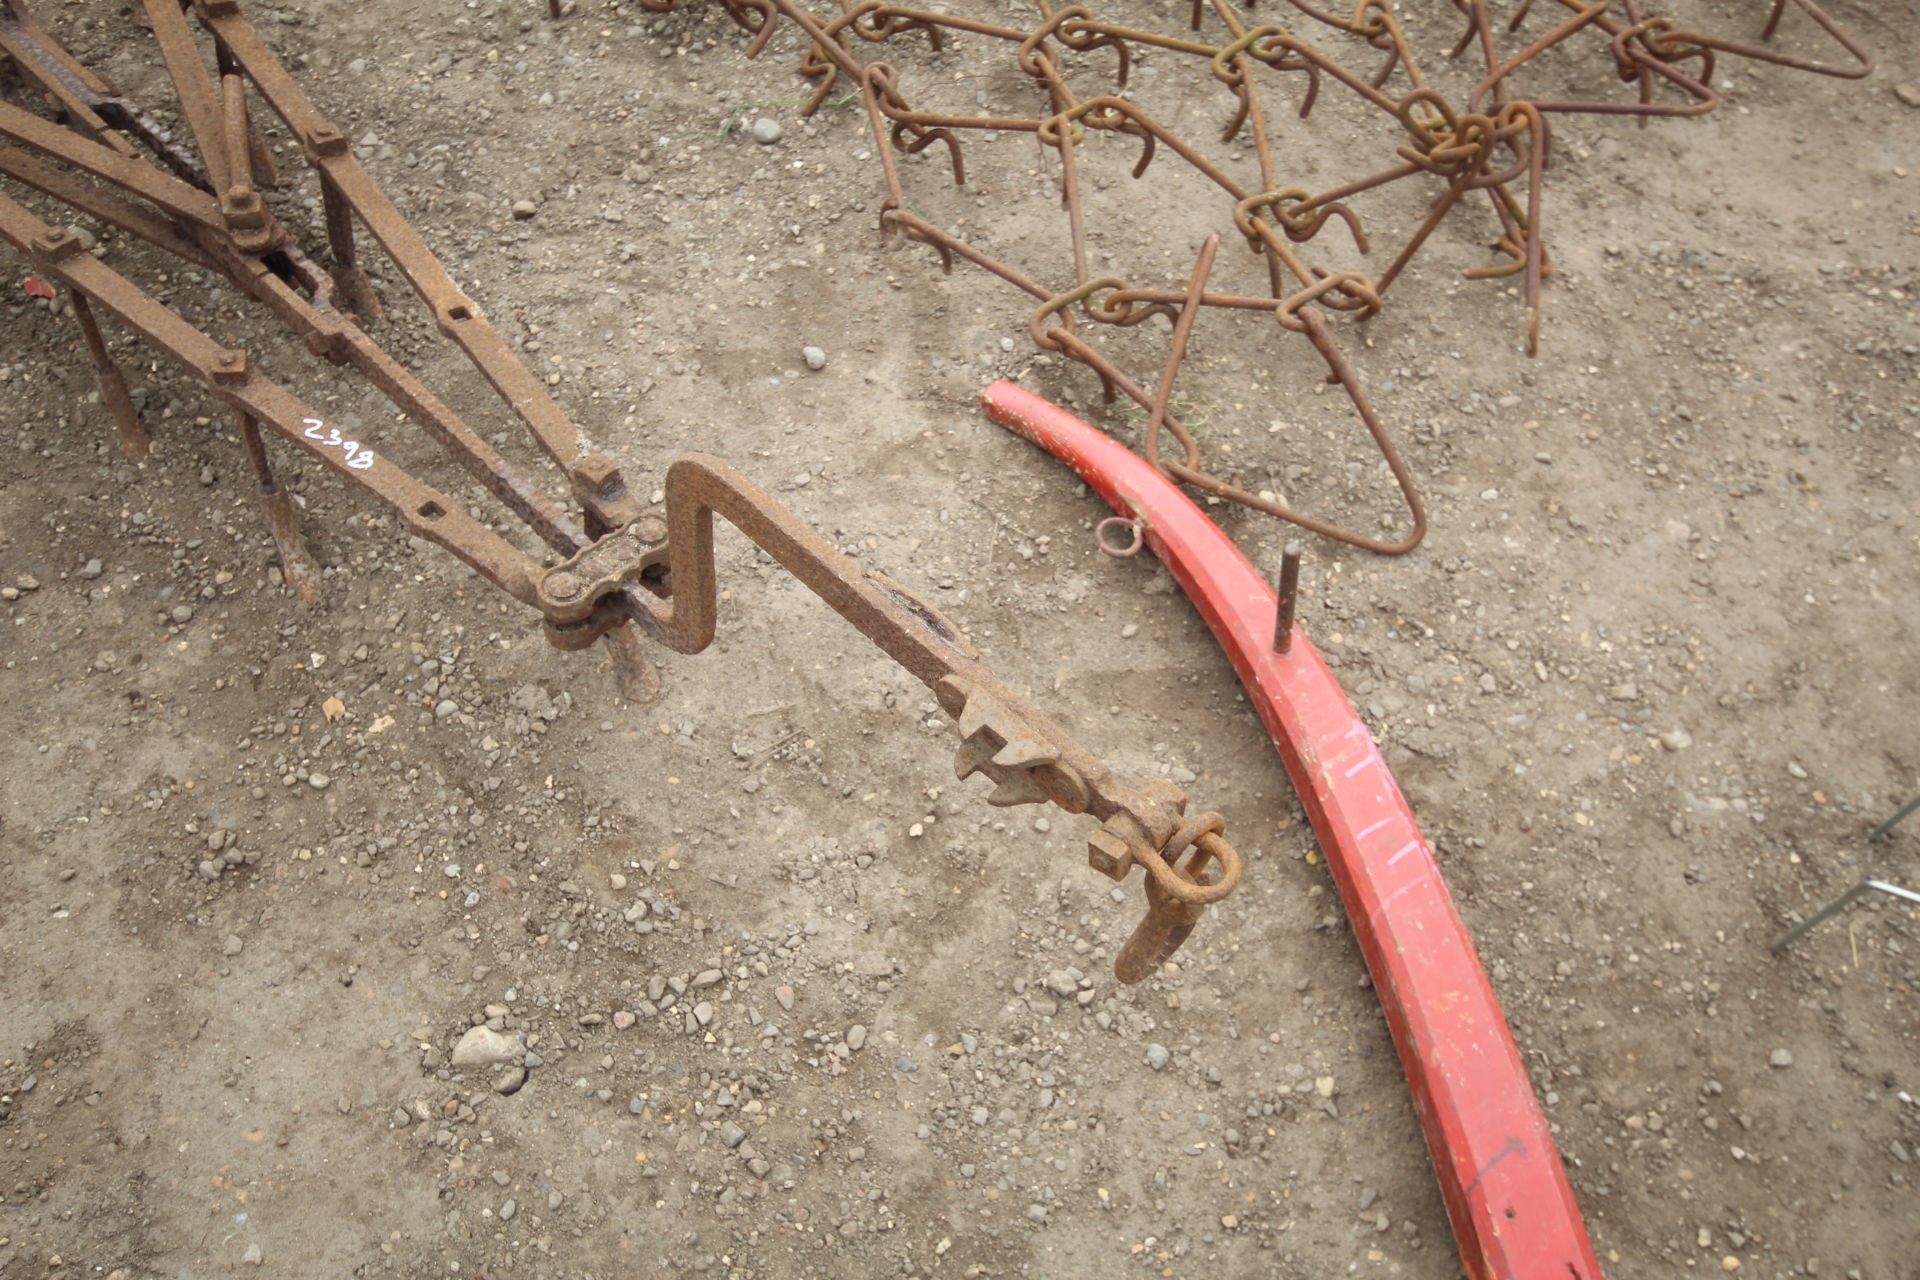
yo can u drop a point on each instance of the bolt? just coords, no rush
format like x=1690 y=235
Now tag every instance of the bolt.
x=599 y=474
x=1108 y=854
x=563 y=585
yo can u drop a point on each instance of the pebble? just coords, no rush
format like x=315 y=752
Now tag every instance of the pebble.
x=617 y=880
x=483 y=1046
x=507 y=1209
x=182 y=614
x=1781 y=1058
x=816 y=358
x=856 y=1037
x=319 y=781
x=232 y=947
x=91 y=570
x=252 y=1257
x=524 y=209
x=766 y=131
x=703 y=1013
x=622 y=1019
x=1158 y=1056
x=511 y=1081
x=1676 y=739
x=784 y=994
x=706 y=978
x=732 y=1135
x=1908 y=93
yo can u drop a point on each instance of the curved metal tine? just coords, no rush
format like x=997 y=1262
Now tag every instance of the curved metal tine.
x=1838 y=905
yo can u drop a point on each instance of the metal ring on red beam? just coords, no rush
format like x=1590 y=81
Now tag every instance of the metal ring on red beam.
x=1513 y=1211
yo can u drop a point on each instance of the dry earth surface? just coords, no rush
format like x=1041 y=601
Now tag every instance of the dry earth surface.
x=784 y=1000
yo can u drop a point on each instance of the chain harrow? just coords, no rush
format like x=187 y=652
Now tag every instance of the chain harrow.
x=613 y=570
x=1490 y=143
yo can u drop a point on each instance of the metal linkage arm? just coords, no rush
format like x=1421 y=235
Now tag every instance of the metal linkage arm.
x=1030 y=759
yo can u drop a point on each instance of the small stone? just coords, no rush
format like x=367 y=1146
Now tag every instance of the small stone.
x=444 y=708
x=483 y=1046
x=182 y=614
x=91 y=570
x=703 y=1013
x=319 y=781
x=1158 y=1056
x=617 y=880
x=508 y=1209
x=232 y=946
x=252 y=1256
x=1626 y=691
x=1908 y=93
x=510 y=1082
x=1323 y=1085
x=1676 y=739
x=1729 y=1264
x=784 y=994
x=732 y=1135
x=816 y=358
x=524 y=209
x=622 y=1019
x=209 y=869
x=1781 y=1058
x=766 y=131
x=856 y=1037
x=706 y=978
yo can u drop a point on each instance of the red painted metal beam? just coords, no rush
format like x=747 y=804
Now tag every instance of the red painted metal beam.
x=1506 y=1190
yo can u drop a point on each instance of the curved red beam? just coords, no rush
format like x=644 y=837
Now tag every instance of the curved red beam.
x=1506 y=1190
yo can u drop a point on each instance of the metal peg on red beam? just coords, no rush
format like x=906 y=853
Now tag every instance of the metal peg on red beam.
x=1287 y=595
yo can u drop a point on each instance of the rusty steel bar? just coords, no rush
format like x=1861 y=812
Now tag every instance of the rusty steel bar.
x=1286 y=598
x=134 y=440
x=622 y=570
x=296 y=565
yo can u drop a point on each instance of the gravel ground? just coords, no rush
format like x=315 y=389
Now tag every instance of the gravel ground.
x=382 y=938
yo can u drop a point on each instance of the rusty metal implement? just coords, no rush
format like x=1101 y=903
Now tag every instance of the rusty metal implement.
x=613 y=570
x=1066 y=89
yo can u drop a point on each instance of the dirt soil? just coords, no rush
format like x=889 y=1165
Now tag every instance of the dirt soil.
x=783 y=998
